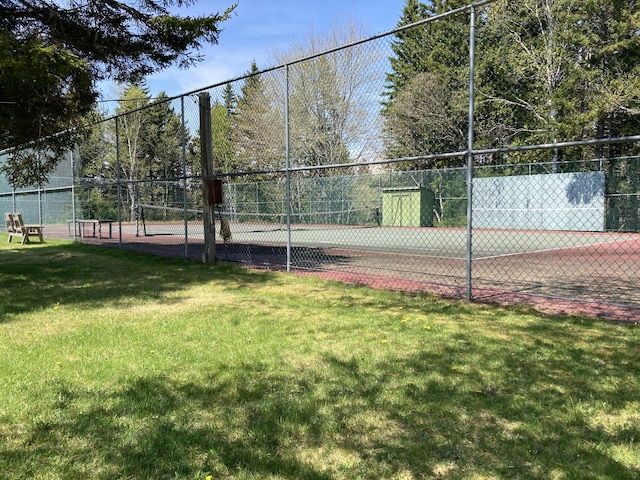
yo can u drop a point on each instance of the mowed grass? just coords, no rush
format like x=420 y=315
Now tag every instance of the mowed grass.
x=118 y=365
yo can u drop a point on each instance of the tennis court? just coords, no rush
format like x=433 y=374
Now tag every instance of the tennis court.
x=439 y=242
x=581 y=266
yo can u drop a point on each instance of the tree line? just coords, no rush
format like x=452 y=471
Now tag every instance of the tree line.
x=546 y=71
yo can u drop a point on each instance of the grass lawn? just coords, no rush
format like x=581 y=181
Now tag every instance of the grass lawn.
x=117 y=365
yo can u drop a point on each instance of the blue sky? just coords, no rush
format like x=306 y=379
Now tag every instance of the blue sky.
x=259 y=26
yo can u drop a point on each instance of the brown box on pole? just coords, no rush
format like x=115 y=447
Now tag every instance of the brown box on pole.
x=214 y=190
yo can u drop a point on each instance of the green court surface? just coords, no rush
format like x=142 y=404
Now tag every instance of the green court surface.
x=450 y=243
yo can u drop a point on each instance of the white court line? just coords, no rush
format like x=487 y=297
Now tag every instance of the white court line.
x=546 y=250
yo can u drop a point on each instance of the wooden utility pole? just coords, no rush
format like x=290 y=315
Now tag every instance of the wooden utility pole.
x=206 y=162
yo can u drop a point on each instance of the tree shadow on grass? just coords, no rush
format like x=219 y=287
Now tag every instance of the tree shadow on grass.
x=451 y=412
x=551 y=412
x=158 y=428
x=74 y=274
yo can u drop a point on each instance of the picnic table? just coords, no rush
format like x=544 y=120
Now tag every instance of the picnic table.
x=94 y=224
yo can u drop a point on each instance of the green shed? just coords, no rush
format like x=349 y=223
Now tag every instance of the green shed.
x=407 y=207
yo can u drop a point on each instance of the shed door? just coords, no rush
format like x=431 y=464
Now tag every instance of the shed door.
x=399 y=206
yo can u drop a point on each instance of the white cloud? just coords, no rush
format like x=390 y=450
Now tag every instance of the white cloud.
x=257 y=29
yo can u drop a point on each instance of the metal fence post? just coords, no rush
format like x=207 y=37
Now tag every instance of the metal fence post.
x=40 y=216
x=184 y=178
x=119 y=183
x=73 y=193
x=472 y=44
x=288 y=167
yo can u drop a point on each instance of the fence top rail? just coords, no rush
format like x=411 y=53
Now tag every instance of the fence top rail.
x=549 y=146
x=440 y=156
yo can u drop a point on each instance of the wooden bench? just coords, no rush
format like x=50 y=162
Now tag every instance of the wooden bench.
x=17 y=228
x=82 y=224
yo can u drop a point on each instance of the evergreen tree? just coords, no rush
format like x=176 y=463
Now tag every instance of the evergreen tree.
x=97 y=150
x=611 y=88
x=222 y=128
x=224 y=151
x=259 y=128
x=408 y=51
x=96 y=165
x=150 y=141
x=427 y=88
x=230 y=99
x=161 y=149
x=161 y=153
x=60 y=50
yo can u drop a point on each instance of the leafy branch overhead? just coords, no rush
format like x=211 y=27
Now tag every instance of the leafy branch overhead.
x=59 y=52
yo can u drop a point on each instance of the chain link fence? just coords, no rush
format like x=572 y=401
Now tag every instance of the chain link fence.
x=373 y=162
